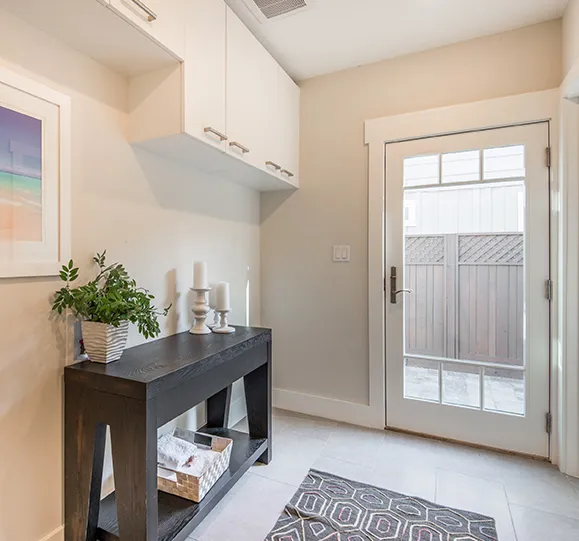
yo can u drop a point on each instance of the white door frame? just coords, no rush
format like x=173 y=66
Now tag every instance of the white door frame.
x=568 y=314
x=512 y=110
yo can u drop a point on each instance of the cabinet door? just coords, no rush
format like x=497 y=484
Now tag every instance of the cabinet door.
x=204 y=69
x=273 y=140
x=289 y=127
x=162 y=19
x=249 y=86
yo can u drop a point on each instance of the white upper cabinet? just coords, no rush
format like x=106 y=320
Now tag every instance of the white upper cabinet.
x=204 y=71
x=112 y=34
x=229 y=109
x=163 y=20
x=288 y=132
x=250 y=87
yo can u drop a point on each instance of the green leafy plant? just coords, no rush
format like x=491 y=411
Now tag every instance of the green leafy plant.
x=111 y=298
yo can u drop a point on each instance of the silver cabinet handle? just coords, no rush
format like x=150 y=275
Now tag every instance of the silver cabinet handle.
x=151 y=15
x=222 y=136
x=243 y=149
x=274 y=165
x=288 y=173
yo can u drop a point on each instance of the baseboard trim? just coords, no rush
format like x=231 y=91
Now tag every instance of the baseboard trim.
x=56 y=535
x=327 y=408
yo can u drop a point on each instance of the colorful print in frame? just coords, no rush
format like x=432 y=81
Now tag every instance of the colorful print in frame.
x=34 y=178
x=20 y=176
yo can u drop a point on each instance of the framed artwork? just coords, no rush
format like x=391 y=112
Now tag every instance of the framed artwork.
x=34 y=177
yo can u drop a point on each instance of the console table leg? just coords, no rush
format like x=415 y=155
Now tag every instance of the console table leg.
x=218 y=409
x=84 y=459
x=134 y=450
x=258 y=400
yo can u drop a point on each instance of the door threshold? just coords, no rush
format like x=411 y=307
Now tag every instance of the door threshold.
x=467 y=444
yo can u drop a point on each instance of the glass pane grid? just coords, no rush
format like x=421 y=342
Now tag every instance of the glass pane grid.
x=422 y=170
x=504 y=162
x=504 y=391
x=461 y=385
x=461 y=166
x=422 y=380
x=494 y=390
x=474 y=229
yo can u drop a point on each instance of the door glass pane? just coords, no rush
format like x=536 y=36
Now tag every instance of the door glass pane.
x=464 y=261
x=504 y=391
x=461 y=166
x=461 y=385
x=422 y=170
x=422 y=380
x=504 y=162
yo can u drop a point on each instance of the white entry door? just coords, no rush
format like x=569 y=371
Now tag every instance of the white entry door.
x=467 y=265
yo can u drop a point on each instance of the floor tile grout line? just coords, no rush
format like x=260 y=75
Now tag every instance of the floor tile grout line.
x=550 y=513
x=470 y=474
x=511 y=515
x=285 y=483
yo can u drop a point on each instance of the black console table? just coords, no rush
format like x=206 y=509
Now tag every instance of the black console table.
x=150 y=385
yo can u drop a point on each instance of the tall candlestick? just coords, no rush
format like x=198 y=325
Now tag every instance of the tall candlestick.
x=200 y=275
x=223 y=302
x=200 y=311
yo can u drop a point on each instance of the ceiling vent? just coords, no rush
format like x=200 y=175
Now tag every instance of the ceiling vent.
x=266 y=10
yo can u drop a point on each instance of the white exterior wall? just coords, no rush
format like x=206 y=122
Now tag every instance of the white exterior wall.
x=472 y=209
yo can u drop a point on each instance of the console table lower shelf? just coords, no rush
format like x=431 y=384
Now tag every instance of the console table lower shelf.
x=176 y=513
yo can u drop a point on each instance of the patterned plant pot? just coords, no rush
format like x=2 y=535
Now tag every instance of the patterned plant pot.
x=104 y=343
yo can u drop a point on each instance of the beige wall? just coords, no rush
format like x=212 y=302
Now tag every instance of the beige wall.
x=570 y=36
x=154 y=215
x=318 y=309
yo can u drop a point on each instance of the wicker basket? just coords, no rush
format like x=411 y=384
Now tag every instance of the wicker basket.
x=195 y=488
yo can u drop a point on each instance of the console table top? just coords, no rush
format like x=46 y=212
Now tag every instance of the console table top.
x=149 y=369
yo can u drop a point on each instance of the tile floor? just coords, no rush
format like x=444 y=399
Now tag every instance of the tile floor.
x=530 y=500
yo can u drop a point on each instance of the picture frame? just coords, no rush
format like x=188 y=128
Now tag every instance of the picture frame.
x=35 y=177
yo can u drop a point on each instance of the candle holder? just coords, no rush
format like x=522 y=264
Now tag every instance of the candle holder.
x=200 y=311
x=223 y=327
x=215 y=323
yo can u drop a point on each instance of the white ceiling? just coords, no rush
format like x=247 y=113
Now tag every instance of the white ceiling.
x=332 y=35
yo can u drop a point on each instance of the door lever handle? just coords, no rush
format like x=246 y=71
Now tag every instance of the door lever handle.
x=394 y=292
x=403 y=291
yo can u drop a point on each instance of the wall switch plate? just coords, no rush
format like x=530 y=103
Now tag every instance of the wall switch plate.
x=341 y=253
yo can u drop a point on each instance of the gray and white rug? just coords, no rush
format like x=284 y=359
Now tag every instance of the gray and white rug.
x=330 y=508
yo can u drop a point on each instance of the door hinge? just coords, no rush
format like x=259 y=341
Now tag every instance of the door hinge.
x=548 y=156
x=548 y=423
x=384 y=283
x=549 y=289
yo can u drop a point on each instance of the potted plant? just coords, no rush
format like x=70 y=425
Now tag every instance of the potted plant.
x=105 y=307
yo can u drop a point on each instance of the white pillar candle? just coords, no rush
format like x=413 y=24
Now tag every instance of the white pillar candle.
x=200 y=275
x=223 y=302
x=213 y=297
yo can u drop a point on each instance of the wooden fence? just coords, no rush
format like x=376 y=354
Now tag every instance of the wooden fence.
x=468 y=296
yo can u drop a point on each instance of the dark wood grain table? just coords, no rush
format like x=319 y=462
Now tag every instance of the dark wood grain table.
x=150 y=385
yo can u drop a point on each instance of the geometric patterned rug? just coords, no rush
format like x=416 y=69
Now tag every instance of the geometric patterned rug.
x=330 y=508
